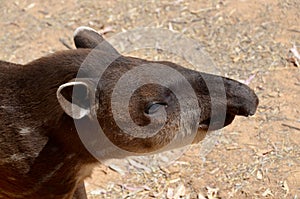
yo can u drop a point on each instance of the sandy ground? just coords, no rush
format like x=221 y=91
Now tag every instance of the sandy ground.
x=257 y=157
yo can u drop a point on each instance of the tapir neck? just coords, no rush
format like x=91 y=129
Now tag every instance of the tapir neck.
x=37 y=138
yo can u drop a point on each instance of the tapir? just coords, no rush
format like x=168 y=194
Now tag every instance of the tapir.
x=41 y=152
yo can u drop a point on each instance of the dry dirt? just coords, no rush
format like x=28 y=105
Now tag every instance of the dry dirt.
x=257 y=157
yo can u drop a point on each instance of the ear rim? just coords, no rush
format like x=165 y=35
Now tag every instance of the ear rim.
x=71 y=109
x=86 y=37
x=84 y=28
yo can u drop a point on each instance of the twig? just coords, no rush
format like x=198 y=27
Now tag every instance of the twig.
x=106 y=30
x=65 y=43
x=294 y=30
x=247 y=81
x=292 y=127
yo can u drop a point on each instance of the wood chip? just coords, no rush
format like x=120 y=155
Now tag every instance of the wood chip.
x=259 y=175
x=32 y=5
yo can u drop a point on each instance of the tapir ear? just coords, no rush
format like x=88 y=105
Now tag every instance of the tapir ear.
x=77 y=98
x=86 y=37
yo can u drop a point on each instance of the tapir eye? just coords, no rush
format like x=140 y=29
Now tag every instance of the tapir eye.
x=153 y=107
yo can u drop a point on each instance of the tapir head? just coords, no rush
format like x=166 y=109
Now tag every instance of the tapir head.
x=145 y=106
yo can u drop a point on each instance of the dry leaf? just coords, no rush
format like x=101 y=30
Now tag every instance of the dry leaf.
x=138 y=165
x=200 y=196
x=174 y=180
x=295 y=60
x=180 y=191
x=32 y=5
x=106 y=30
x=170 y=193
x=295 y=52
x=212 y=193
x=267 y=193
x=130 y=188
x=98 y=191
x=285 y=187
x=116 y=168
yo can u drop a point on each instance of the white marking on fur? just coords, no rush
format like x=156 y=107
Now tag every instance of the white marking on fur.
x=11 y=178
x=49 y=175
x=25 y=131
x=71 y=156
x=17 y=157
x=8 y=108
x=83 y=28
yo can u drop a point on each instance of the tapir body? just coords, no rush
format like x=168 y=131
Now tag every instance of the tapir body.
x=41 y=153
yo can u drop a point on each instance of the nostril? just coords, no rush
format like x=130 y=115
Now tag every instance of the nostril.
x=252 y=111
